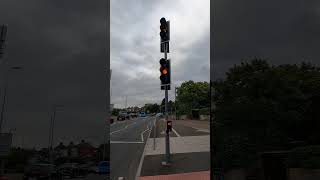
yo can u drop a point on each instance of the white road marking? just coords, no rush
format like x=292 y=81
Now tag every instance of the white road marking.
x=141 y=160
x=126 y=142
x=120 y=178
x=117 y=131
x=176 y=132
x=130 y=124
x=204 y=130
x=142 y=139
x=123 y=128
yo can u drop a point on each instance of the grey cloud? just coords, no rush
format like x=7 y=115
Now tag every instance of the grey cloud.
x=62 y=47
x=284 y=32
x=135 y=49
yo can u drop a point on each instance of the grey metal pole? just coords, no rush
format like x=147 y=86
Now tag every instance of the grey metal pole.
x=154 y=133
x=175 y=100
x=166 y=114
x=51 y=143
x=108 y=79
x=3 y=105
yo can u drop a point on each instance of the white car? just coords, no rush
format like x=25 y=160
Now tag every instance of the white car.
x=159 y=115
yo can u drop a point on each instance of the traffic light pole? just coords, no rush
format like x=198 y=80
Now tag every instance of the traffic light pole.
x=166 y=115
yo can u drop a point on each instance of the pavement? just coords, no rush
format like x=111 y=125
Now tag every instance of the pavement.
x=19 y=176
x=128 y=139
x=189 y=147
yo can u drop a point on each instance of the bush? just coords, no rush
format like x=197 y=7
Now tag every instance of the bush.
x=304 y=157
x=204 y=111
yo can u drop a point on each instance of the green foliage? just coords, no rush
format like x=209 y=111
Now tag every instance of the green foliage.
x=115 y=111
x=305 y=157
x=268 y=106
x=18 y=159
x=192 y=95
x=152 y=108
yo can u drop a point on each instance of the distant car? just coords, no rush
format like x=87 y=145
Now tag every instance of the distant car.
x=159 y=115
x=142 y=114
x=122 y=116
x=72 y=170
x=94 y=169
x=104 y=167
x=40 y=171
x=132 y=115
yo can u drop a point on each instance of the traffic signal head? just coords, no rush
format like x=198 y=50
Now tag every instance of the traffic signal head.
x=164 y=29
x=164 y=71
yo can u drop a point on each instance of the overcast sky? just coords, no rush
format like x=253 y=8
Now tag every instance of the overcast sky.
x=286 y=31
x=135 y=47
x=61 y=46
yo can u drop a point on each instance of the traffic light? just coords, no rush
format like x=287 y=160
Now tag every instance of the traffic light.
x=164 y=34
x=163 y=30
x=165 y=73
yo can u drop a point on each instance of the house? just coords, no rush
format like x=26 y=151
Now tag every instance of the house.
x=86 y=150
x=72 y=150
x=61 y=151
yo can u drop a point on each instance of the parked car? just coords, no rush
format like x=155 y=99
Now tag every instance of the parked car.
x=104 y=167
x=94 y=169
x=133 y=115
x=72 y=170
x=160 y=115
x=40 y=171
x=142 y=114
x=122 y=116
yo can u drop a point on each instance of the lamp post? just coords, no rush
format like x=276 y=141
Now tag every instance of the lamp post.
x=51 y=130
x=105 y=139
x=3 y=106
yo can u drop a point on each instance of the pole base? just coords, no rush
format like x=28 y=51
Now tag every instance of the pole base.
x=164 y=163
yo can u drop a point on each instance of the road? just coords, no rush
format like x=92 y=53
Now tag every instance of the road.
x=89 y=177
x=128 y=139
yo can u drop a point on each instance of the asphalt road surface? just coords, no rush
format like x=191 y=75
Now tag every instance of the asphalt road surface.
x=92 y=177
x=128 y=139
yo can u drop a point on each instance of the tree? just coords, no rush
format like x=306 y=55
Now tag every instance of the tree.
x=115 y=111
x=266 y=107
x=152 y=108
x=192 y=95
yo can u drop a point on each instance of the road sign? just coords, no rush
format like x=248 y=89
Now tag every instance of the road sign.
x=5 y=144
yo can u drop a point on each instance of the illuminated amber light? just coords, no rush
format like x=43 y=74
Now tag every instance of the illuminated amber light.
x=164 y=71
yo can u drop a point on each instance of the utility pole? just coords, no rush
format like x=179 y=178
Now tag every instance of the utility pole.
x=53 y=116
x=3 y=105
x=108 y=80
x=165 y=80
x=51 y=129
x=166 y=115
x=126 y=102
x=3 y=35
x=175 y=102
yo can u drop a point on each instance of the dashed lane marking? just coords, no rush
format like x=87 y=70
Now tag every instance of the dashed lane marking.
x=123 y=128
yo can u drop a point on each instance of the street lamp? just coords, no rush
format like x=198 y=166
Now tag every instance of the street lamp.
x=53 y=117
x=5 y=96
